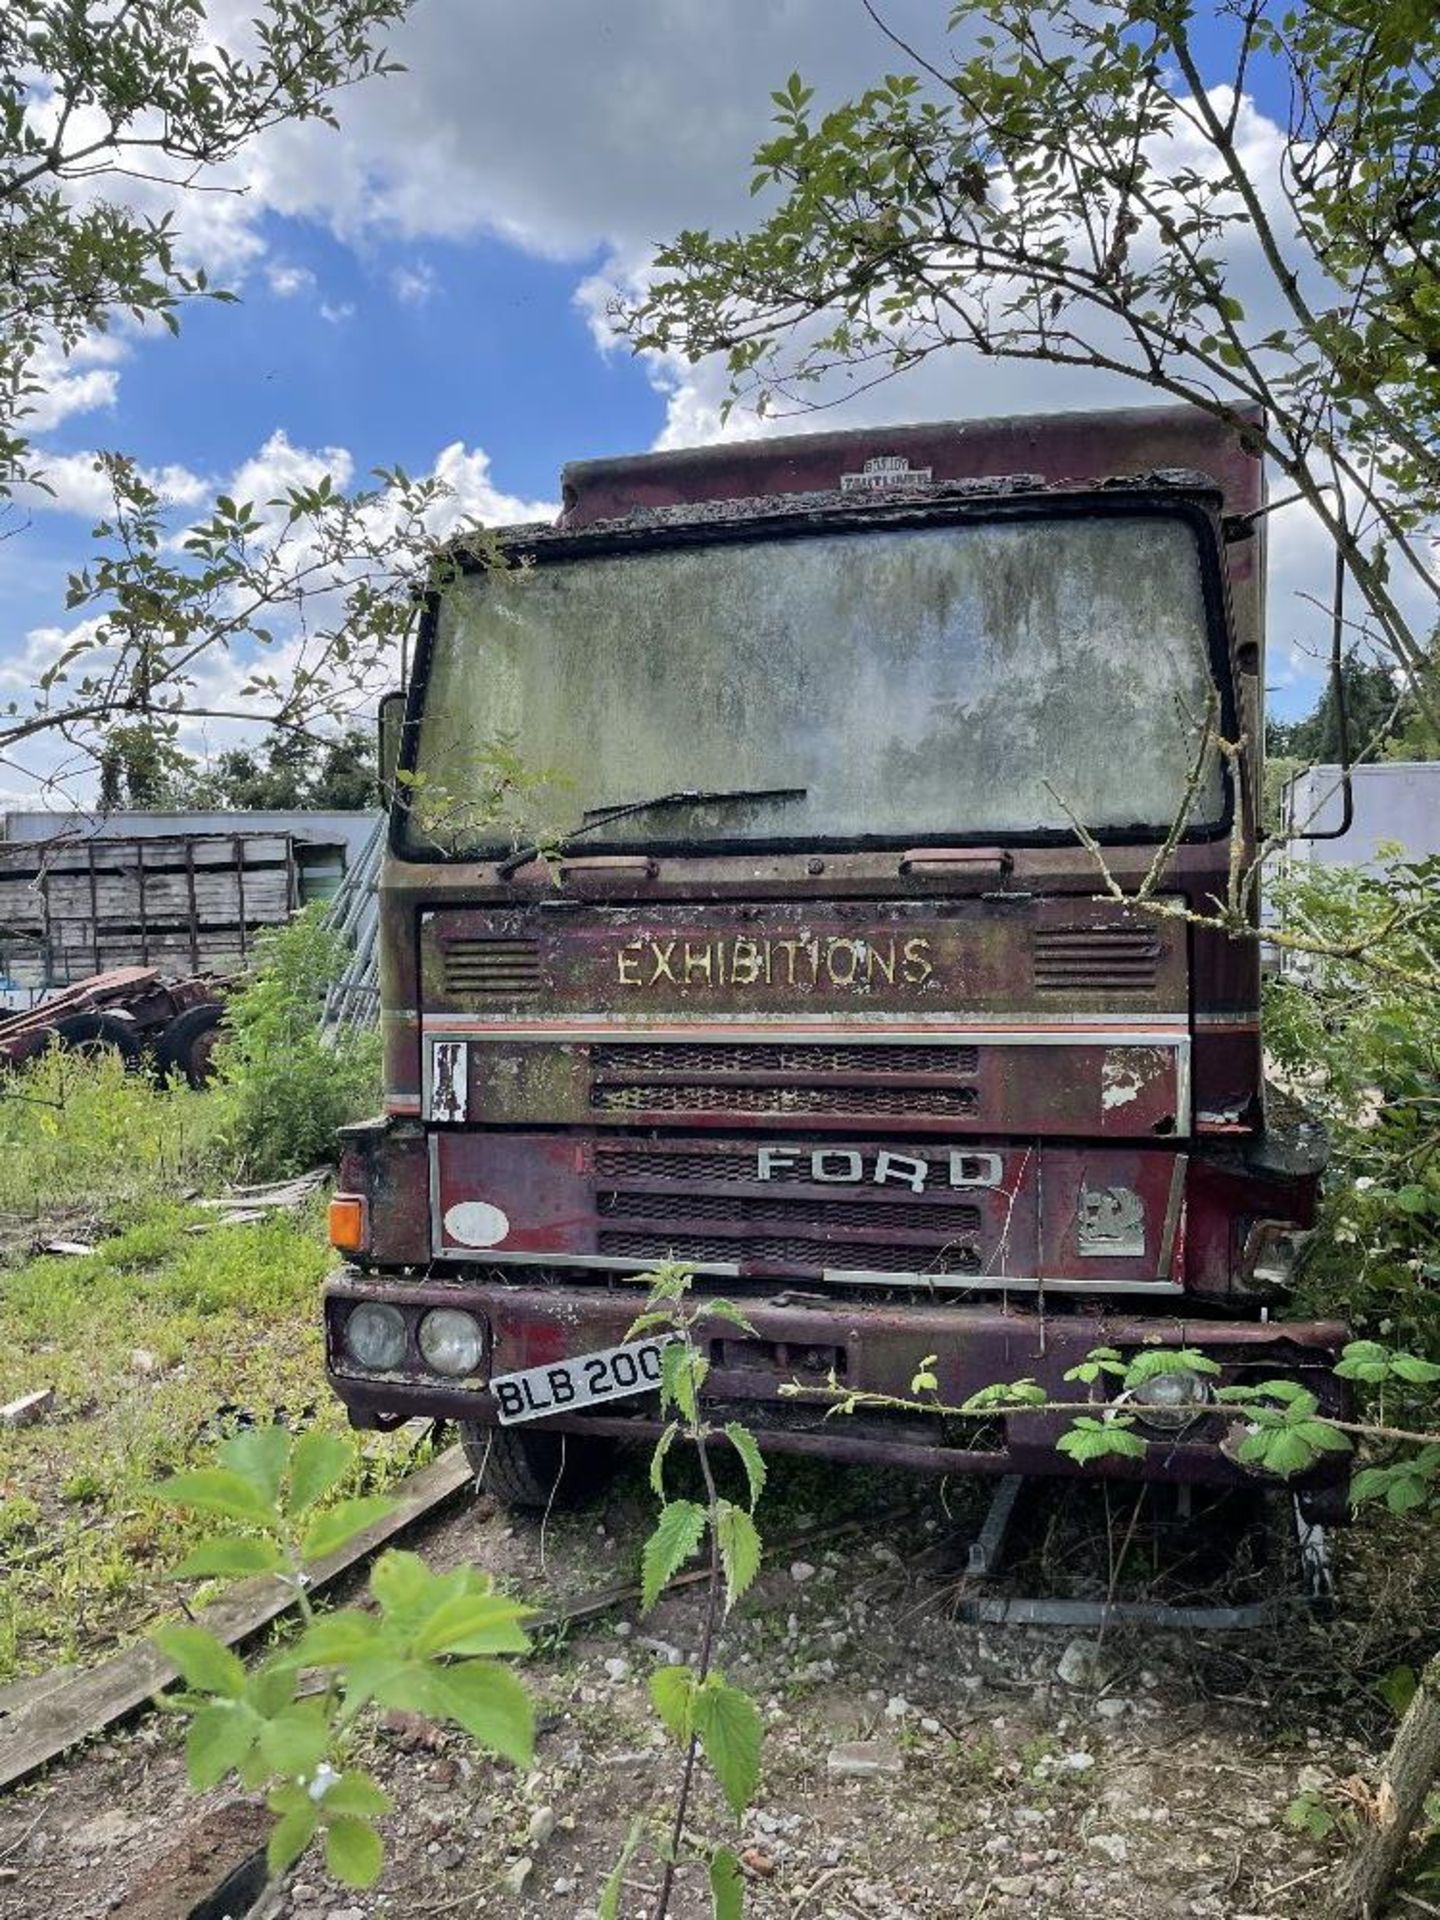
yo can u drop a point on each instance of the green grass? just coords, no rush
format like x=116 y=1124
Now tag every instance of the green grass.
x=145 y=1341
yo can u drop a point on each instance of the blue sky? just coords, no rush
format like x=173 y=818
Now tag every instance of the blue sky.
x=430 y=277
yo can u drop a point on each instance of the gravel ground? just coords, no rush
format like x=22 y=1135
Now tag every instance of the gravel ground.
x=915 y=1765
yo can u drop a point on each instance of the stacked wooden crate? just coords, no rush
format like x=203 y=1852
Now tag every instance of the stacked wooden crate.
x=185 y=903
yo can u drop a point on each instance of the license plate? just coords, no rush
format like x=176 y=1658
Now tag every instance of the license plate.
x=581 y=1381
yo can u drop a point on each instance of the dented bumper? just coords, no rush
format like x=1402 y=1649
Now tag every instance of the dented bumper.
x=865 y=1345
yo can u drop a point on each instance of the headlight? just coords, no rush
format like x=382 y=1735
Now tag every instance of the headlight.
x=451 y=1341
x=375 y=1335
x=1159 y=1401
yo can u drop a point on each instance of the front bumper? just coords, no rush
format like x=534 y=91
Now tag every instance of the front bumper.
x=868 y=1346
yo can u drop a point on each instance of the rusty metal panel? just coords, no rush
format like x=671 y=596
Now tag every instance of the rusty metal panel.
x=845 y=960
x=994 y=1214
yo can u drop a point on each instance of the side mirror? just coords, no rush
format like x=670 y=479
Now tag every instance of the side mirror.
x=392 y=733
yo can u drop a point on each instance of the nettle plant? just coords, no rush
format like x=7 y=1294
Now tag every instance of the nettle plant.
x=428 y=1647
x=702 y=1710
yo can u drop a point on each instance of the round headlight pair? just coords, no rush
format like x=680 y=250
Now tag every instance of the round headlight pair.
x=450 y=1341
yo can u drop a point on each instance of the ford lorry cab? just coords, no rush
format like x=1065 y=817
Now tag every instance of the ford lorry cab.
x=750 y=902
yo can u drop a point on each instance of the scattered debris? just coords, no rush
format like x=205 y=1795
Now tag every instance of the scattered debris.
x=542 y=1826
x=516 y=1876
x=243 y=1206
x=864 y=1759
x=74 y=1249
x=1080 y=1665
x=29 y=1408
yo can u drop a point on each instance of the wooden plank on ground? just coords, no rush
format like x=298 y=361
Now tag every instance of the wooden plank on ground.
x=47 y=1725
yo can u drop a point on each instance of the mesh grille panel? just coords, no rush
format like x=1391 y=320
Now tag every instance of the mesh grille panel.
x=621 y=1160
x=727 y=1098
x=805 y=1056
x=787 y=1252
x=805 y=1215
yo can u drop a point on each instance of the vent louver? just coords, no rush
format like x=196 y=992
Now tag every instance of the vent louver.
x=500 y=968
x=1096 y=959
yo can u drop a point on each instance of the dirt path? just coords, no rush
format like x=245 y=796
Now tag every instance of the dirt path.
x=914 y=1765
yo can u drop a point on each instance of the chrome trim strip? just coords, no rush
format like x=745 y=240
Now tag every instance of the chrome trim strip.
x=814 y=1031
x=1173 y=1205
x=833 y=1276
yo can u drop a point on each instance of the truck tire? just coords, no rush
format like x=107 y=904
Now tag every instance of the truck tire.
x=533 y=1469
x=94 y=1033
x=187 y=1043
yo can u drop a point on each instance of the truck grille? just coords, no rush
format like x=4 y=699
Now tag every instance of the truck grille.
x=623 y=1162
x=780 y=1101
x=795 y=1078
x=507 y=968
x=800 y=1056
x=1096 y=959
x=806 y=1214
x=786 y=1253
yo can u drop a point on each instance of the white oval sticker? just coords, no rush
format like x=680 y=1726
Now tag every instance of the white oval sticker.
x=475 y=1223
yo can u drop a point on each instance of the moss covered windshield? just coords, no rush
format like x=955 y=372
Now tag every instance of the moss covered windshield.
x=1000 y=677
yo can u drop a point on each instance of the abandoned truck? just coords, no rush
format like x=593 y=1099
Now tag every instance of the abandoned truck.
x=810 y=981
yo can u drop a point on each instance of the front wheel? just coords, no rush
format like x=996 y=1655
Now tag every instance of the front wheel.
x=531 y=1468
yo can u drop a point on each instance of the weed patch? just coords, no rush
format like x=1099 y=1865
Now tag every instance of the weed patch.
x=157 y=1344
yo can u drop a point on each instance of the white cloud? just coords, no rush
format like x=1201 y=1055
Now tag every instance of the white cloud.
x=338 y=313
x=285 y=281
x=413 y=286
x=77 y=485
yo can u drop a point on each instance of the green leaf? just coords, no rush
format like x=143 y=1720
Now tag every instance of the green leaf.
x=718 y=1308
x=1152 y=1362
x=258 y=1455
x=748 y=1448
x=353 y=1852
x=218 y=1490
x=473 y=1623
x=678 y=1379
x=318 y=1465
x=489 y=1703
x=219 y=1739
x=1397 y=1689
x=230 y=1558
x=677 y=1534
x=1280 y=1450
x=1099 y=1440
x=610 y=1893
x=727 y=1885
x=336 y=1525
x=356 y=1793
x=335 y=1639
x=728 y=1723
x=1414 y=1199
x=673 y=1691
x=400 y=1581
x=739 y=1544
x=657 y=1459
x=207 y=1665
x=296 y=1740
x=290 y=1836
x=1414 y=1371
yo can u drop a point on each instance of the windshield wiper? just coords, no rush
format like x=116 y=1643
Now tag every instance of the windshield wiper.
x=596 y=817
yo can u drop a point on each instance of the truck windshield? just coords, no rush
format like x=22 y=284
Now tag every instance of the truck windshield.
x=1001 y=677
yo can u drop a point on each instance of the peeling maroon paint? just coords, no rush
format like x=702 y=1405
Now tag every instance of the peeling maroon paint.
x=655 y=1024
